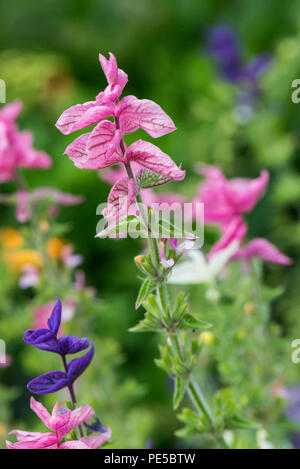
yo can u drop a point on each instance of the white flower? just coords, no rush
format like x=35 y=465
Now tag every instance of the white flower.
x=196 y=269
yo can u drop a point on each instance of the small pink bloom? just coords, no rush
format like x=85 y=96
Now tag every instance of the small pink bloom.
x=60 y=425
x=30 y=276
x=25 y=199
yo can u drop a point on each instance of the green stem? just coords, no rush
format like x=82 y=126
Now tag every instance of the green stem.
x=194 y=391
x=72 y=394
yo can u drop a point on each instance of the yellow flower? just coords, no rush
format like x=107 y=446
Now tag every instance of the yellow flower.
x=249 y=308
x=54 y=247
x=44 y=226
x=17 y=259
x=207 y=337
x=2 y=430
x=10 y=238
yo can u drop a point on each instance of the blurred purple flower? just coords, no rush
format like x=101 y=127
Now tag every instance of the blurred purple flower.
x=292 y=395
x=224 y=47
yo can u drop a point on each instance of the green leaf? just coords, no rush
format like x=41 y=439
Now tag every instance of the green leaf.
x=151 y=304
x=190 y=322
x=147 y=178
x=237 y=422
x=122 y=228
x=149 y=324
x=180 y=307
x=146 y=288
x=179 y=390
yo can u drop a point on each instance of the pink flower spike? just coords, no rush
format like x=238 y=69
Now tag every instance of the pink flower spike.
x=137 y=113
x=150 y=156
x=264 y=250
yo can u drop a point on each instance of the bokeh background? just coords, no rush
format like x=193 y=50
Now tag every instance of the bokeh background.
x=49 y=60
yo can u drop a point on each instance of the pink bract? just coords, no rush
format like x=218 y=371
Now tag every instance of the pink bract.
x=60 y=424
x=262 y=249
x=103 y=146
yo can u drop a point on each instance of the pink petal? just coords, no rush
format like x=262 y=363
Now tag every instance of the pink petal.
x=244 y=193
x=41 y=412
x=137 y=113
x=42 y=441
x=234 y=231
x=120 y=198
x=94 y=442
x=82 y=115
x=75 y=418
x=26 y=156
x=109 y=67
x=71 y=116
x=112 y=72
x=11 y=111
x=150 y=156
x=73 y=444
x=24 y=436
x=103 y=146
x=77 y=151
x=262 y=248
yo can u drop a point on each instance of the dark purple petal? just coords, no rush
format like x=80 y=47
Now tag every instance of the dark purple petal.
x=55 y=318
x=78 y=365
x=96 y=426
x=71 y=344
x=39 y=336
x=48 y=383
x=49 y=346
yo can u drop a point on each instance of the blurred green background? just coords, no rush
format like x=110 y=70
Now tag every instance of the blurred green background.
x=49 y=59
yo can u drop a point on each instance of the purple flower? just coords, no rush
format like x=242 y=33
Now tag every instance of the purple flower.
x=56 y=380
x=46 y=339
x=292 y=395
x=223 y=45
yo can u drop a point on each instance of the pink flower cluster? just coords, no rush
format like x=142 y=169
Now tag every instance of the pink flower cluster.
x=60 y=423
x=104 y=145
x=225 y=201
x=16 y=147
